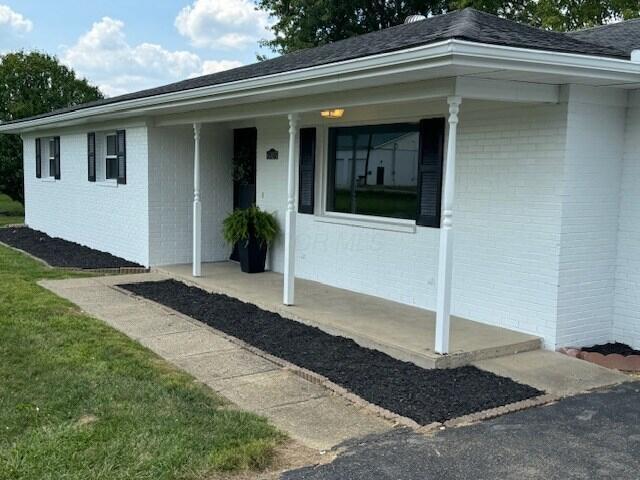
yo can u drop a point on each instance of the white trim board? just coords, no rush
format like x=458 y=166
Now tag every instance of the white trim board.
x=335 y=75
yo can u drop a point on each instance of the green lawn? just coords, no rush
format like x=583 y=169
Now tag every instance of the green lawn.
x=377 y=201
x=10 y=211
x=79 y=400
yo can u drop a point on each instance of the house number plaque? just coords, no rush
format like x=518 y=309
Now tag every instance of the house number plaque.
x=272 y=154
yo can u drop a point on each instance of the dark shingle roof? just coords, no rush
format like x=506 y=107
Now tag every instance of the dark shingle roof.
x=622 y=35
x=467 y=24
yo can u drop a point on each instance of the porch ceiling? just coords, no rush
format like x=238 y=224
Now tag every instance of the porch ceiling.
x=467 y=87
x=399 y=330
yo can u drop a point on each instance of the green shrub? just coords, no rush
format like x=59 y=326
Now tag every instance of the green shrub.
x=243 y=222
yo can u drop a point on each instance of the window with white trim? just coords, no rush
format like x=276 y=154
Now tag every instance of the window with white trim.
x=52 y=157
x=48 y=157
x=111 y=156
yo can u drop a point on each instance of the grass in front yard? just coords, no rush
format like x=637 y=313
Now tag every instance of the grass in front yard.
x=10 y=211
x=79 y=400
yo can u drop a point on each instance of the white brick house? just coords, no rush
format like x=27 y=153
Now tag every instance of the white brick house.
x=536 y=180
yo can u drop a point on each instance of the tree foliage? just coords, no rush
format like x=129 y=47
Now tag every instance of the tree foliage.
x=560 y=15
x=31 y=84
x=309 y=23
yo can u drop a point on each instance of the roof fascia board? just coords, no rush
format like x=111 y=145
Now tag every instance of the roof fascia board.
x=469 y=87
x=282 y=80
x=464 y=53
x=416 y=91
x=542 y=61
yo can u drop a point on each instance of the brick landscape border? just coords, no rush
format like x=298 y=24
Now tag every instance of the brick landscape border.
x=630 y=363
x=97 y=271
x=356 y=400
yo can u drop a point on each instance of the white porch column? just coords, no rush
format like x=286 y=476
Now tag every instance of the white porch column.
x=197 y=208
x=445 y=263
x=290 y=221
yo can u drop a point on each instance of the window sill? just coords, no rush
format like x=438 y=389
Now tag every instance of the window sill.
x=362 y=221
x=112 y=183
x=48 y=179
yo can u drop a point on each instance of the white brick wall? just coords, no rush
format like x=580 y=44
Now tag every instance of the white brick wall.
x=271 y=178
x=171 y=192
x=506 y=218
x=626 y=319
x=538 y=245
x=591 y=186
x=109 y=218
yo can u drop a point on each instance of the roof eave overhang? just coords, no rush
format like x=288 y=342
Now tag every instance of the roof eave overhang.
x=461 y=53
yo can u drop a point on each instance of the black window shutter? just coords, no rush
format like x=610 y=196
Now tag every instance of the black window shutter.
x=56 y=155
x=121 y=153
x=91 y=156
x=38 y=158
x=430 y=171
x=306 y=171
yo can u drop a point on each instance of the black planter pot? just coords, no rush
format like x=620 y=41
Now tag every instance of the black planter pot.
x=253 y=255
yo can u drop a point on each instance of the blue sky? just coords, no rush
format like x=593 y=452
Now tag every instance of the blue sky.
x=123 y=46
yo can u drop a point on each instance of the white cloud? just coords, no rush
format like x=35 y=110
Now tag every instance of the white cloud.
x=105 y=57
x=14 y=21
x=215 y=66
x=223 y=23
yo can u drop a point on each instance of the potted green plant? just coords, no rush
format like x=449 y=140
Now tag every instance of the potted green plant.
x=253 y=231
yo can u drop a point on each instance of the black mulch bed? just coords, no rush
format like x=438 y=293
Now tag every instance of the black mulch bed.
x=58 y=252
x=608 y=348
x=422 y=395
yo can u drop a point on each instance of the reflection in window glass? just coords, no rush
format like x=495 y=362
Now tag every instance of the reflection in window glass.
x=373 y=170
x=52 y=157
x=111 y=145
x=111 y=159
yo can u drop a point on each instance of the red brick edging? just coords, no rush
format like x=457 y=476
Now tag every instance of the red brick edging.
x=358 y=401
x=630 y=363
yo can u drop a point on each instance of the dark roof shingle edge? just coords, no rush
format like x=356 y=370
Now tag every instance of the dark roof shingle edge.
x=468 y=24
x=623 y=35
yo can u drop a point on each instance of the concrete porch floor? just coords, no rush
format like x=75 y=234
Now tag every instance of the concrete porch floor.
x=399 y=330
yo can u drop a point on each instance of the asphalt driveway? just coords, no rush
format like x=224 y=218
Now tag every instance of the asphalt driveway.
x=594 y=435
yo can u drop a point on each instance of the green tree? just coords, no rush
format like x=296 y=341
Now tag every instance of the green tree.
x=309 y=23
x=31 y=84
x=560 y=15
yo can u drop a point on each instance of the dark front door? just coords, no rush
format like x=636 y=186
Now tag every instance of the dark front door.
x=380 y=176
x=244 y=170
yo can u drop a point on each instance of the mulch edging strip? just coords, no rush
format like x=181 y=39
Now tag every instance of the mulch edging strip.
x=397 y=389
x=56 y=252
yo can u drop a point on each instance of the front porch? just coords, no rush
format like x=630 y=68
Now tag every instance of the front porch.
x=402 y=331
x=397 y=244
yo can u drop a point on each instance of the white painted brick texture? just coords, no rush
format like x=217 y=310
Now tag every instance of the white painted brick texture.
x=506 y=221
x=626 y=320
x=171 y=192
x=113 y=219
x=538 y=245
x=591 y=187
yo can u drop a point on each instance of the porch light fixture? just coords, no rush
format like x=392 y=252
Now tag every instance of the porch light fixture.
x=333 y=113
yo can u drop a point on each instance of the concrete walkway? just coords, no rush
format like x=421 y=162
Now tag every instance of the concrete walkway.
x=402 y=331
x=307 y=412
